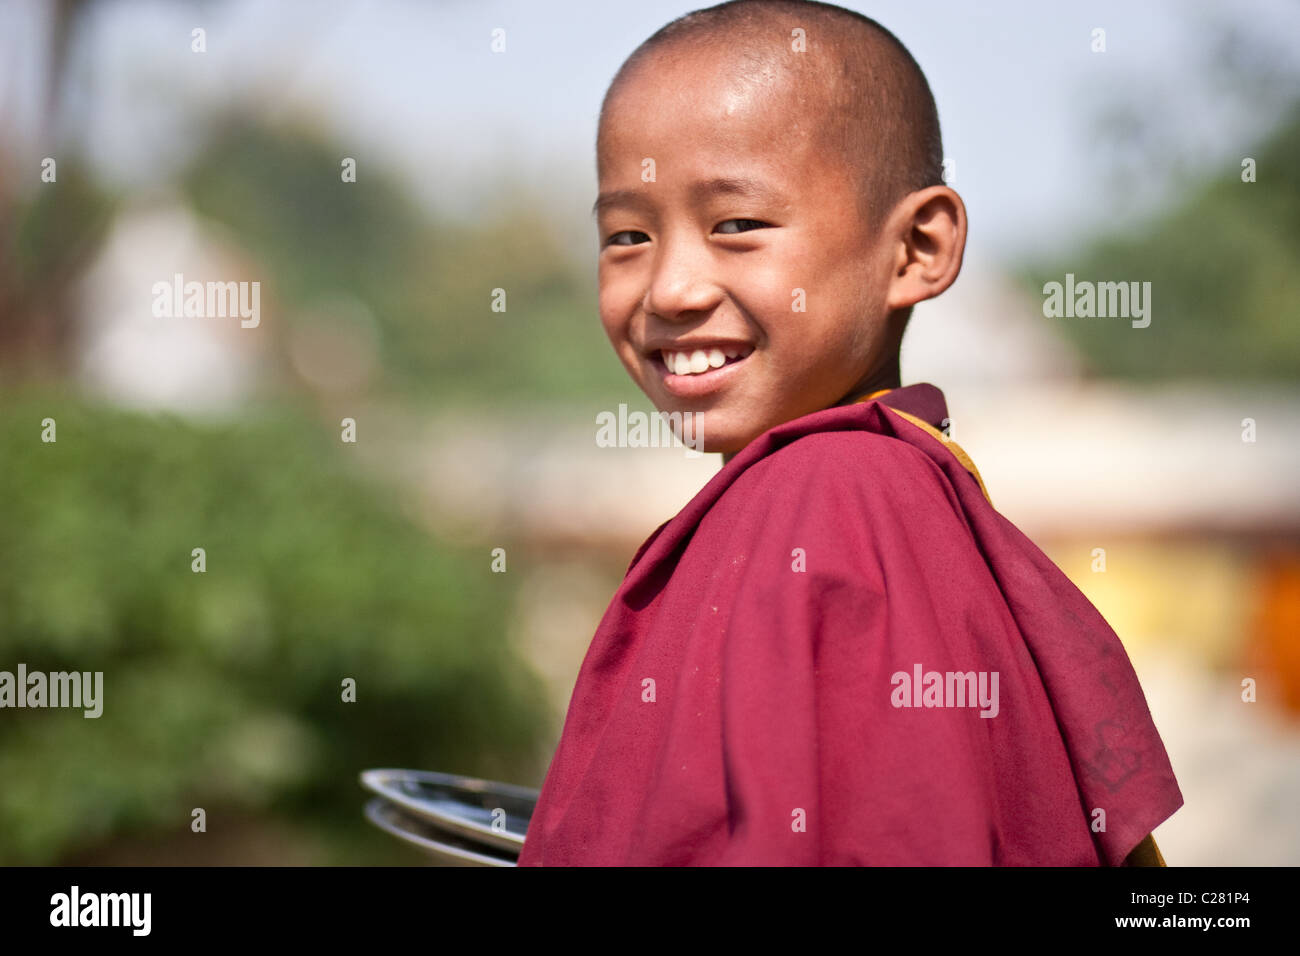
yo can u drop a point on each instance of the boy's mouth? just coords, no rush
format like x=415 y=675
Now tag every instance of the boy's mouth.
x=698 y=371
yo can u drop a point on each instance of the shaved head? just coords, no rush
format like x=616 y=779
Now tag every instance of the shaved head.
x=848 y=78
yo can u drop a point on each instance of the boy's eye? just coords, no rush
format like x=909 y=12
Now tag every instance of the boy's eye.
x=743 y=225
x=617 y=238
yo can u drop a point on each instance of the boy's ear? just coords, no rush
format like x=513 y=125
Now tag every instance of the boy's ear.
x=928 y=238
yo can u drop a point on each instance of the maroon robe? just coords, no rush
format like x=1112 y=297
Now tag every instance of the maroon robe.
x=751 y=695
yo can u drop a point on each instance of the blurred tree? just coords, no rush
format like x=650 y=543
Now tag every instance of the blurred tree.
x=1224 y=268
x=430 y=285
x=56 y=233
x=48 y=233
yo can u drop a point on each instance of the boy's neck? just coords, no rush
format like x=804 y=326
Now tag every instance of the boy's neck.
x=881 y=380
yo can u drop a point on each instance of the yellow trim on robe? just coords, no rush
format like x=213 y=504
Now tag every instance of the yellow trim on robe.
x=957 y=451
x=1146 y=853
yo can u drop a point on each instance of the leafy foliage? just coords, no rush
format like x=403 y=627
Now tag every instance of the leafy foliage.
x=223 y=688
x=1225 y=288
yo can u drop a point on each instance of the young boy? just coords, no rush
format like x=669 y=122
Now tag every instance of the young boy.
x=838 y=652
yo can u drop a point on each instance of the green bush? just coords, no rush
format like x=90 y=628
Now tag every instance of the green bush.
x=222 y=689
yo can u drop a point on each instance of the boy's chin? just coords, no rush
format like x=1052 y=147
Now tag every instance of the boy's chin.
x=711 y=432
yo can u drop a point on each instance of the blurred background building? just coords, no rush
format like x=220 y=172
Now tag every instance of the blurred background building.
x=1156 y=466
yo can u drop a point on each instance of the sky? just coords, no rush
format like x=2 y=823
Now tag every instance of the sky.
x=416 y=88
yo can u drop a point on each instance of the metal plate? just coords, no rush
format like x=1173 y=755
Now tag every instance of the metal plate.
x=444 y=848
x=463 y=807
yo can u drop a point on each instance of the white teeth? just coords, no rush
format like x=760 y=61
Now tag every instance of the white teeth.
x=700 y=360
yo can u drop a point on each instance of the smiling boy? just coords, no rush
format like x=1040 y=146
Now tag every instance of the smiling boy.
x=838 y=652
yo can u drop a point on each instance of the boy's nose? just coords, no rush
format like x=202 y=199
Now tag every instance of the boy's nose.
x=681 y=286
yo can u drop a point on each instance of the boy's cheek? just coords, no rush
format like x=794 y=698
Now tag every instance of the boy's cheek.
x=613 y=321
x=616 y=301
x=626 y=354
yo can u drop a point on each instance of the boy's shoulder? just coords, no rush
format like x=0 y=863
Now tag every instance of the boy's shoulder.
x=856 y=497
x=846 y=464
x=863 y=466
x=842 y=457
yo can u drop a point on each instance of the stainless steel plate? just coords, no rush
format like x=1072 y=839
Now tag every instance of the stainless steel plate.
x=446 y=849
x=483 y=812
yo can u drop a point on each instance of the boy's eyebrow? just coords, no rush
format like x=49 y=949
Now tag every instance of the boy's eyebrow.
x=616 y=197
x=705 y=189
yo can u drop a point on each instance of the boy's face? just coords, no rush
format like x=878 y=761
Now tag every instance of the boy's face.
x=748 y=246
